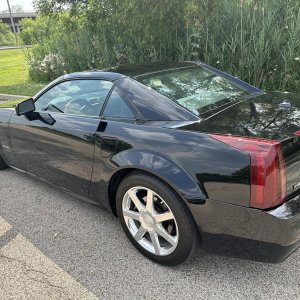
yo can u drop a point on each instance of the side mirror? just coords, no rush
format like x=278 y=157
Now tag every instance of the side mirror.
x=25 y=107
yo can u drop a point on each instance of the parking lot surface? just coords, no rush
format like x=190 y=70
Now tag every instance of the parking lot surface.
x=86 y=245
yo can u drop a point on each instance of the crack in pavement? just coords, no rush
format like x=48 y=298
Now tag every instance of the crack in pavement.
x=26 y=273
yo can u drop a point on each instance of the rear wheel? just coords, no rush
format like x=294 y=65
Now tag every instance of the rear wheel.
x=3 y=165
x=155 y=219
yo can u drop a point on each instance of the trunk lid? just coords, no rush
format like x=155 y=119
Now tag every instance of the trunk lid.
x=273 y=116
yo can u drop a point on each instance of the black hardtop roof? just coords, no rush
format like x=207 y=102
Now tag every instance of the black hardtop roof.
x=131 y=70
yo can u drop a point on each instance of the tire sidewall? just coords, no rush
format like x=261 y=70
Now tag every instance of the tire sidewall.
x=184 y=219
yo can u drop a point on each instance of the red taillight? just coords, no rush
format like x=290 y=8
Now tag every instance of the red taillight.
x=268 y=171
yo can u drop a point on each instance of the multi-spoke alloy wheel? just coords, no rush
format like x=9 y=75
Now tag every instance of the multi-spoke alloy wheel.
x=155 y=219
x=150 y=220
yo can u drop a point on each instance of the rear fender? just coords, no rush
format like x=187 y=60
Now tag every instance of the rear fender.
x=166 y=169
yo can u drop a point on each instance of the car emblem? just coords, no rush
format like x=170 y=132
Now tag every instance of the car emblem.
x=285 y=104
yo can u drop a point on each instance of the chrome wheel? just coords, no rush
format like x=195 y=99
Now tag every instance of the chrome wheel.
x=150 y=221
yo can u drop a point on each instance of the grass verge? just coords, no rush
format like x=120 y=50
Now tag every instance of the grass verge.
x=14 y=78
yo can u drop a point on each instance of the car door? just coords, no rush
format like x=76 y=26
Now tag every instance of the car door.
x=117 y=114
x=57 y=141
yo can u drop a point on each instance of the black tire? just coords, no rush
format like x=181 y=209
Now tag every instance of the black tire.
x=3 y=165
x=188 y=232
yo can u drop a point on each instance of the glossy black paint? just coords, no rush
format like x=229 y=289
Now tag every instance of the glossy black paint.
x=260 y=116
x=62 y=153
x=89 y=156
x=25 y=107
x=268 y=236
x=155 y=150
x=134 y=70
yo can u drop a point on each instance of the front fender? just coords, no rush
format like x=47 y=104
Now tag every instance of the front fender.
x=165 y=168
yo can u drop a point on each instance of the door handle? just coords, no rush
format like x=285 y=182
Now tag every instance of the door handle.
x=102 y=126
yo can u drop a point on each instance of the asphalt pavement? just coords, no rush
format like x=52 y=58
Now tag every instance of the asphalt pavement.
x=87 y=243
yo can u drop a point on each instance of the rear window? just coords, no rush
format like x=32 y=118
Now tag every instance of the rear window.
x=193 y=87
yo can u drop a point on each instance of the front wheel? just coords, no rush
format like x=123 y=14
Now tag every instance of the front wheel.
x=155 y=219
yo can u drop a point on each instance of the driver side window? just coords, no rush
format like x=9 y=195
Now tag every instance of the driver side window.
x=83 y=97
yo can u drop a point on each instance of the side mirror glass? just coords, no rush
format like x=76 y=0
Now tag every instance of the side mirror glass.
x=25 y=107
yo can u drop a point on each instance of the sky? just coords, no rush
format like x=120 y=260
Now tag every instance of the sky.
x=26 y=4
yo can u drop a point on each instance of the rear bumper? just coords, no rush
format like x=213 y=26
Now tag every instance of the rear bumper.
x=227 y=245
x=231 y=230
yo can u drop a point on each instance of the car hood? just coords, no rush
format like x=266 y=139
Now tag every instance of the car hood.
x=273 y=116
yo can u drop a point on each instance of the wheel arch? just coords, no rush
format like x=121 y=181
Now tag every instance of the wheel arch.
x=158 y=166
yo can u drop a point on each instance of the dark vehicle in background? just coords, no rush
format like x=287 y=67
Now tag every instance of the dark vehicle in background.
x=175 y=150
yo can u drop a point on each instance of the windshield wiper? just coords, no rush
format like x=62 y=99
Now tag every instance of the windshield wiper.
x=46 y=108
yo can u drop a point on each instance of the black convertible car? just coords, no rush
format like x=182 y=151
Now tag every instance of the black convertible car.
x=177 y=151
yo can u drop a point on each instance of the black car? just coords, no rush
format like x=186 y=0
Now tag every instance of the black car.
x=177 y=151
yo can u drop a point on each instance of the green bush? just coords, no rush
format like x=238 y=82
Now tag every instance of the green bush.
x=257 y=41
x=6 y=36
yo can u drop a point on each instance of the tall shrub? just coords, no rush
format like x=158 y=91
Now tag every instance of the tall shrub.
x=6 y=36
x=256 y=40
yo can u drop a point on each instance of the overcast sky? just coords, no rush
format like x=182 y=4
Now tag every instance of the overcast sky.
x=26 y=4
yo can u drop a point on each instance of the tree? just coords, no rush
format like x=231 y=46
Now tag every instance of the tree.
x=48 y=7
x=255 y=40
x=6 y=37
x=17 y=8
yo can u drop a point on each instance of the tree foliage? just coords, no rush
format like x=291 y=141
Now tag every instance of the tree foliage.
x=256 y=40
x=17 y=8
x=6 y=36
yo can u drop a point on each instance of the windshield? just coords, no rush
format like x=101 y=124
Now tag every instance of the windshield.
x=193 y=88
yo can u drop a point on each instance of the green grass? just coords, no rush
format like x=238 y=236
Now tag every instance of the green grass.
x=14 y=78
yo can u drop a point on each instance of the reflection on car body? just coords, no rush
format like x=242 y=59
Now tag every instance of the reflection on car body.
x=174 y=150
